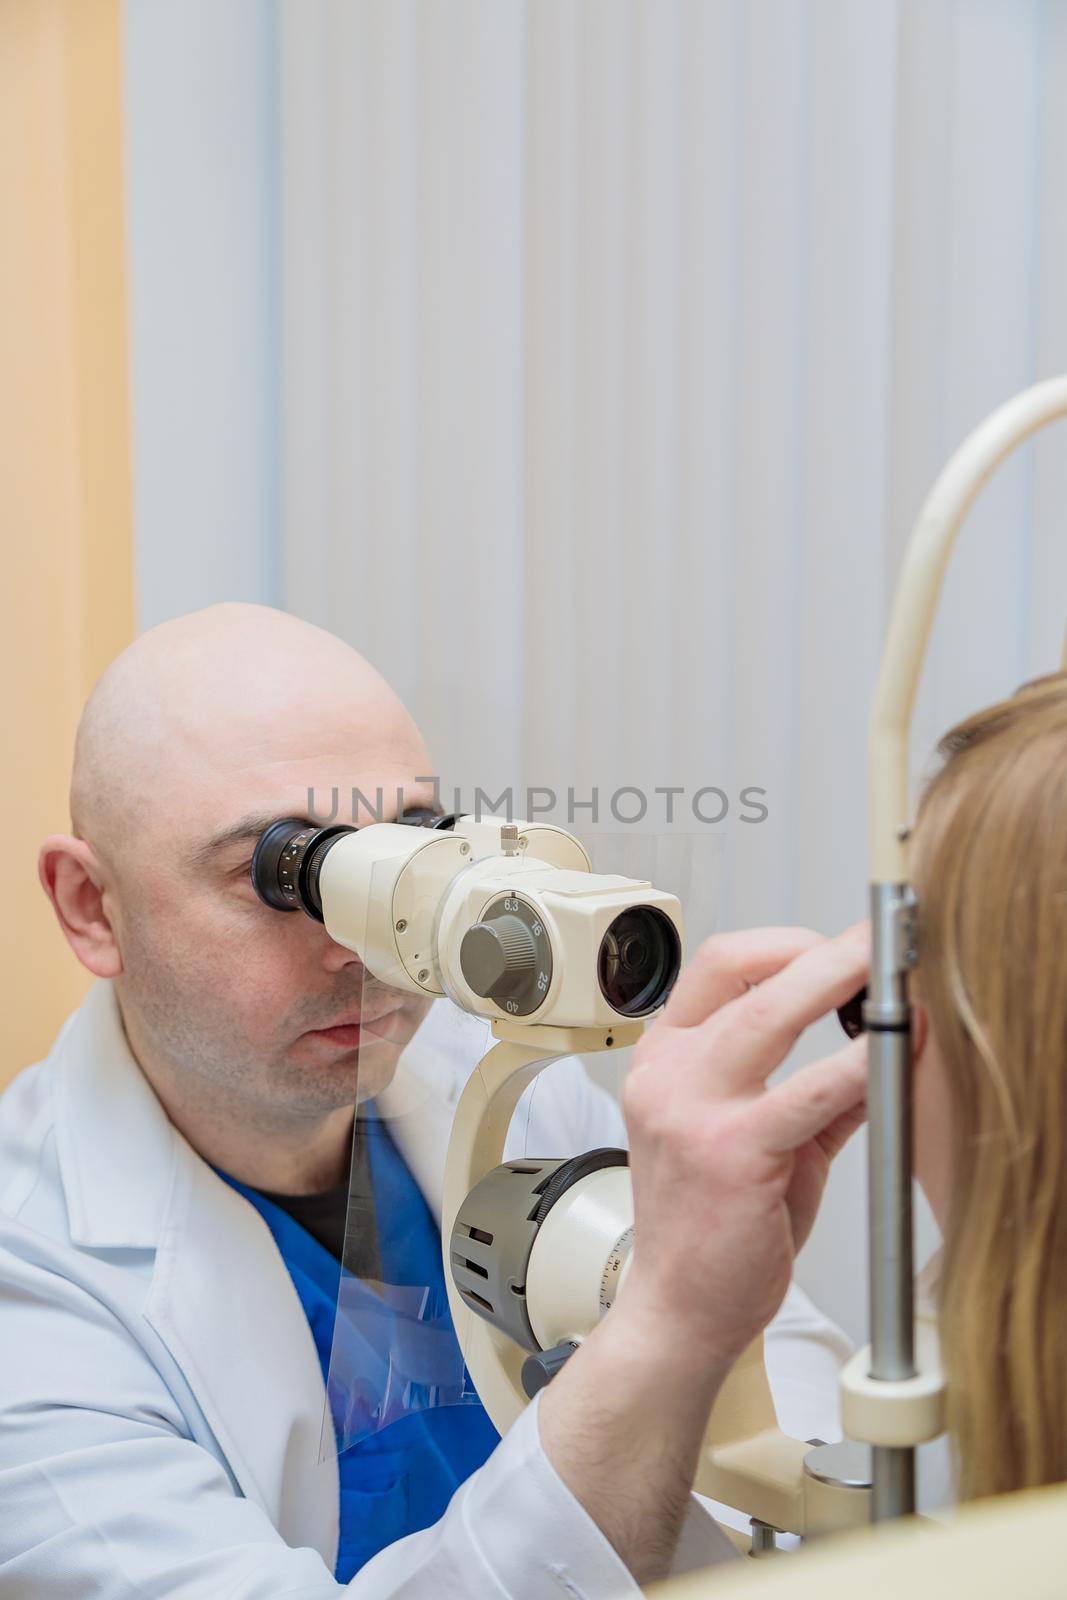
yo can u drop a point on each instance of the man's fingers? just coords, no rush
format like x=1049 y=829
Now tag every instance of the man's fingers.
x=814 y=1100
x=726 y=966
x=810 y=1169
x=766 y=1022
x=837 y=1135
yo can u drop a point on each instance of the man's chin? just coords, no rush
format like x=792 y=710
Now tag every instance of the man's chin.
x=347 y=1074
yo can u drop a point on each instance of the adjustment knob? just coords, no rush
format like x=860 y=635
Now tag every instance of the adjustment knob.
x=498 y=957
x=539 y=1370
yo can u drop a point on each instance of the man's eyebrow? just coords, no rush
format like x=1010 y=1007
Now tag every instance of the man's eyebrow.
x=249 y=829
x=246 y=831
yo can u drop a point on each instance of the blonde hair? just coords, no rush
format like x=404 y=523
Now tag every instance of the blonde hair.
x=990 y=871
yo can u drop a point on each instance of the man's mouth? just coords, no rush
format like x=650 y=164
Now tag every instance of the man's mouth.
x=349 y=1029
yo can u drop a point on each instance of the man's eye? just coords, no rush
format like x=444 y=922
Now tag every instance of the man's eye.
x=421 y=816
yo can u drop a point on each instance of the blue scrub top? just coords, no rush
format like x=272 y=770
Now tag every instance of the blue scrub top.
x=400 y=1479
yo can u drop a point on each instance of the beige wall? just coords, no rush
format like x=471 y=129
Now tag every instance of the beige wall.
x=64 y=454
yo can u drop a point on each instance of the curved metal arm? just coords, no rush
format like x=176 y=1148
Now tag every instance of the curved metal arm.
x=915 y=602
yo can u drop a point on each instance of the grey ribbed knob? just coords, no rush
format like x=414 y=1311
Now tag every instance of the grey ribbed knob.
x=539 y=1369
x=498 y=957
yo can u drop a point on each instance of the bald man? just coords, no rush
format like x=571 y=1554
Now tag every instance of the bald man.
x=174 y=1176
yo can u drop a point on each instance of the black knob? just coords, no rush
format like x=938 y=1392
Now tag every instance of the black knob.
x=539 y=1370
x=850 y=1015
x=498 y=957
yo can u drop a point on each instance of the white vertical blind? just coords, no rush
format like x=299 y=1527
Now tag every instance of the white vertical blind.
x=201 y=121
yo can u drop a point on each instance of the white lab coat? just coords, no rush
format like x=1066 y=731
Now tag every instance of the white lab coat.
x=160 y=1396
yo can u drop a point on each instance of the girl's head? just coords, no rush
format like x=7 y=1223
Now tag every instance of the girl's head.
x=989 y=867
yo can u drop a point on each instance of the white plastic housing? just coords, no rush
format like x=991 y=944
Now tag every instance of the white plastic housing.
x=386 y=875
x=382 y=887
x=896 y=1414
x=577 y=908
x=580 y=1257
x=544 y=840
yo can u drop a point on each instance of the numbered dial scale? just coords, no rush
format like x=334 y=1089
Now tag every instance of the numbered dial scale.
x=613 y=1273
x=507 y=956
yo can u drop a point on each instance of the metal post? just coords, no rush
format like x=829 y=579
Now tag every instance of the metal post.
x=763 y=1538
x=887 y=1017
x=894 y=1483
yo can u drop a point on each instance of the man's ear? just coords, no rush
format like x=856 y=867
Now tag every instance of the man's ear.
x=920 y=1030
x=73 y=880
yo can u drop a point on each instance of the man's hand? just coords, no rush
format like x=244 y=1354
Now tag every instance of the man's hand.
x=727 y=1173
x=727 y=1177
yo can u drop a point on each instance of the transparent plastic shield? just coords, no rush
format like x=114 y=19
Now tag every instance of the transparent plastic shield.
x=395 y=1352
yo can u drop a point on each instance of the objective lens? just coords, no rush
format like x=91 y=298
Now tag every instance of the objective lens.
x=287 y=863
x=640 y=956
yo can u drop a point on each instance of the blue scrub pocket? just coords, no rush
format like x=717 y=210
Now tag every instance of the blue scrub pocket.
x=372 y=1518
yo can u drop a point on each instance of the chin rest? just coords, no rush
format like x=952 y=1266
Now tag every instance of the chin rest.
x=1015 y=1545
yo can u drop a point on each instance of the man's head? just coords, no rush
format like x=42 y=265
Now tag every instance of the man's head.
x=199 y=734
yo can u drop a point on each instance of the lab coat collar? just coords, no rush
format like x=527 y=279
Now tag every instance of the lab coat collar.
x=117 y=1166
x=220 y=1297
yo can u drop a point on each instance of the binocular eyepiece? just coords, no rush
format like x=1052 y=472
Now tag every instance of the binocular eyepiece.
x=289 y=856
x=287 y=862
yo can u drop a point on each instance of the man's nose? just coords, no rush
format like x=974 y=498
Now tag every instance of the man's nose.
x=335 y=957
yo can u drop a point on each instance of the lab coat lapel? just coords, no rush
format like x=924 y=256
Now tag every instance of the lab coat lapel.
x=220 y=1298
x=223 y=1302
